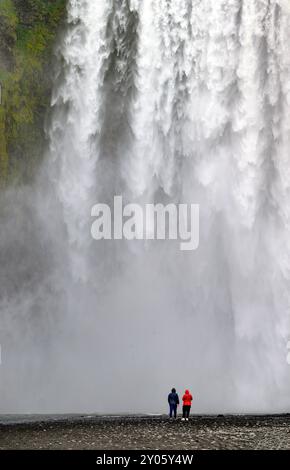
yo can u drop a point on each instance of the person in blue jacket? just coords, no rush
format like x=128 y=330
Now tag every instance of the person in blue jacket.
x=173 y=401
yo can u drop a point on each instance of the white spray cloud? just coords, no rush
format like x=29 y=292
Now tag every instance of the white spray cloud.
x=184 y=102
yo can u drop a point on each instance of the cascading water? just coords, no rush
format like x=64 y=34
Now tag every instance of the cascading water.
x=156 y=100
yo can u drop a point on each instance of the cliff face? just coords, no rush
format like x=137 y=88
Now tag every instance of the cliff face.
x=28 y=30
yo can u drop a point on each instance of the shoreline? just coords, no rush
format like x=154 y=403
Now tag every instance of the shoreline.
x=141 y=432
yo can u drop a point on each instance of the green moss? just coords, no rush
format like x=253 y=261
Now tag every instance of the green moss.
x=32 y=27
x=8 y=11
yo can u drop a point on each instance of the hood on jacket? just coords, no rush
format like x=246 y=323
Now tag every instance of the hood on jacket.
x=186 y=392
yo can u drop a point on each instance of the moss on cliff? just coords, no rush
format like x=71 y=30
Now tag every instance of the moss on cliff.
x=27 y=32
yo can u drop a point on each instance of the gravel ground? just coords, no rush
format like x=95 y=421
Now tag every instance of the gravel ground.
x=151 y=433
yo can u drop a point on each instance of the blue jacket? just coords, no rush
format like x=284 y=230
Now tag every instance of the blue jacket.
x=173 y=399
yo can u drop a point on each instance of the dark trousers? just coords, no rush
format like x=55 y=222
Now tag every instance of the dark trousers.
x=185 y=411
x=173 y=409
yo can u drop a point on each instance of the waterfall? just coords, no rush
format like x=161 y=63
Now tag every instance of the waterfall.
x=163 y=101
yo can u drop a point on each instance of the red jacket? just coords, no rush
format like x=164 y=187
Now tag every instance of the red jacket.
x=187 y=398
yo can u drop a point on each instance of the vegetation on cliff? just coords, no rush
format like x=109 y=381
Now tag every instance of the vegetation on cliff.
x=27 y=35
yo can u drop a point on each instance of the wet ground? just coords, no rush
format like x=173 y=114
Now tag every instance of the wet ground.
x=145 y=432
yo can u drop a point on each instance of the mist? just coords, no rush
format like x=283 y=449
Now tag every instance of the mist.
x=184 y=102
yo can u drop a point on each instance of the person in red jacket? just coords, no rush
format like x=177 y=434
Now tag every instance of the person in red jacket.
x=187 y=399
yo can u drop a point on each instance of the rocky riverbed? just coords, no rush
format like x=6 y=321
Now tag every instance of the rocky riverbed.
x=143 y=432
